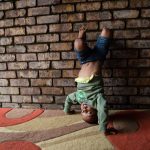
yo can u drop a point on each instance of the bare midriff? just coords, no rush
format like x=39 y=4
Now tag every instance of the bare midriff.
x=89 y=69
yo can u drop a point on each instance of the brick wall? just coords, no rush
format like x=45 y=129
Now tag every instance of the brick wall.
x=37 y=62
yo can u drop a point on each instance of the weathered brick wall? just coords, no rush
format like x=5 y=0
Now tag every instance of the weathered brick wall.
x=37 y=62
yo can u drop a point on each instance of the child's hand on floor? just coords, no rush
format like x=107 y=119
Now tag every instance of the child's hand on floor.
x=110 y=131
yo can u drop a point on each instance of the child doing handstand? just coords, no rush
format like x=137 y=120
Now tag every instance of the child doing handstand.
x=89 y=82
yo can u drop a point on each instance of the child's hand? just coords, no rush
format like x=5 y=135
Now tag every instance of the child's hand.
x=70 y=112
x=110 y=131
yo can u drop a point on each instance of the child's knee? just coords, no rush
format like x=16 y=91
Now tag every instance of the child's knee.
x=79 y=44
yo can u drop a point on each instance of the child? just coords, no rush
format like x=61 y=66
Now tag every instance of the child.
x=89 y=82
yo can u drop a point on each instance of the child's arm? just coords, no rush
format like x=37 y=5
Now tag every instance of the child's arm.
x=103 y=116
x=102 y=112
x=70 y=99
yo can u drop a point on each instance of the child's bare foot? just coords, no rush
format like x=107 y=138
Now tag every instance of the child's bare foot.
x=105 y=32
x=82 y=32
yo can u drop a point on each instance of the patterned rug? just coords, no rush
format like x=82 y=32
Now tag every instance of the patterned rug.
x=37 y=129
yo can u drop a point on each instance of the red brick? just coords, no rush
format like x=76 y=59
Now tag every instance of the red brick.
x=52 y=90
x=24 y=39
x=17 y=65
x=88 y=6
x=19 y=82
x=139 y=63
x=52 y=106
x=139 y=81
x=37 y=48
x=117 y=99
x=4 y=98
x=9 y=90
x=126 y=34
x=125 y=14
x=38 y=11
x=115 y=63
x=48 y=2
x=64 y=27
x=145 y=91
x=70 y=73
x=1 y=14
x=60 y=99
x=114 y=4
x=3 y=82
x=6 y=5
x=26 y=57
x=145 y=33
x=1 y=32
x=27 y=74
x=106 y=72
x=5 y=41
x=63 y=82
x=68 y=55
x=7 y=74
x=30 y=106
x=47 y=38
x=124 y=90
x=62 y=8
x=72 y=1
x=114 y=81
x=23 y=4
x=69 y=90
x=30 y=91
x=43 y=99
x=36 y=29
x=7 y=57
x=16 y=49
x=72 y=17
x=6 y=23
x=105 y=15
x=139 y=3
x=145 y=53
x=90 y=25
x=124 y=54
x=21 y=99
x=48 y=19
x=91 y=36
x=138 y=23
x=41 y=82
x=62 y=64
x=14 y=31
x=139 y=100
x=145 y=13
x=10 y=105
x=144 y=72
x=108 y=91
x=39 y=65
x=138 y=43
x=115 y=24
x=125 y=72
x=25 y=21
x=50 y=73
x=68 y=36
x=61 y=46
x=2 y=49
x=15 y=13
x=49 y=56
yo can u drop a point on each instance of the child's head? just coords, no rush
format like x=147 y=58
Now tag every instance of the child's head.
x=88 y=113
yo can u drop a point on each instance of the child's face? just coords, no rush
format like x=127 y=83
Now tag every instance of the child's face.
x=88 y=113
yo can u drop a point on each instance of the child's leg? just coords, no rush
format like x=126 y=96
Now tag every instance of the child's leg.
x=81 y=48
x=79 y=43
x=102 y=44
